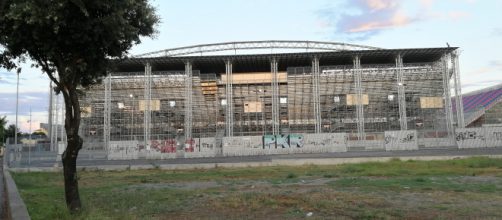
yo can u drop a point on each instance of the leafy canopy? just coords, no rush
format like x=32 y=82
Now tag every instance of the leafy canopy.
x=76 y=38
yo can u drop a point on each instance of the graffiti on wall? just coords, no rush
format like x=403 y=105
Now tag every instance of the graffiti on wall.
x=282 y=141
x=497 y=135
x=410 y=137
x=164 y=146
x=322 y=140
x=469 y=135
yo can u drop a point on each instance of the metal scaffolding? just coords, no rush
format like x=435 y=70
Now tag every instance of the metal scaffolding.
x=359 y=100
x=401 y=94
x=316 y=95
x=212 y=97
x=275 y=97
x=229 y=116
x=459 y=103
x=188 y=101
x=447 y=94
x=148 y=103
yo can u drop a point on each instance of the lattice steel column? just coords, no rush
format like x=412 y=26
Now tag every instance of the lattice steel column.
x=458 y=90
x=148 y=102
x=447 y=95
x=359 y=102
x=401 y=95
x=107 y=112
x=229 y=115
x=316 y=94
x=188 y=101
x=275 y=96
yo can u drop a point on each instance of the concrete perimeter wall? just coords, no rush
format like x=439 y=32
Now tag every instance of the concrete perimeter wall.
x=479 y=137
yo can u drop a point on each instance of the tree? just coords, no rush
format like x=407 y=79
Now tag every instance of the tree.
x=11 y=131
x=3 y=122
x=73 y=42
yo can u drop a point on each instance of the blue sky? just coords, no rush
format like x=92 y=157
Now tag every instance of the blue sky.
x=472 y=25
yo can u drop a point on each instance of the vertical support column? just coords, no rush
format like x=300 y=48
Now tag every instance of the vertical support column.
x=229 y=114
x=401 y=95
x=458 y=90
x=275 y=96
x=188 y=101
x=447 y=95
x=316 y=94
x=359 y=94
x=148 y=102
x=49 y=119
x=107 y=113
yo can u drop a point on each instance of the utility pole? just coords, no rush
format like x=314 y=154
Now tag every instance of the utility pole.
x=29 y=144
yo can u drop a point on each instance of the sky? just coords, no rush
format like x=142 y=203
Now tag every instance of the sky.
x=472 y=25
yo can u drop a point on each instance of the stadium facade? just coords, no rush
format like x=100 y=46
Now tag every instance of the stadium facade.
x=330 y=97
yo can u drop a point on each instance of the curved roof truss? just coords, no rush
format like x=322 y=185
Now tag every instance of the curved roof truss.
x=250 y=45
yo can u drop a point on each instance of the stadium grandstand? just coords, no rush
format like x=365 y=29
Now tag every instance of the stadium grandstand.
x=483 y=107
x=273 y=97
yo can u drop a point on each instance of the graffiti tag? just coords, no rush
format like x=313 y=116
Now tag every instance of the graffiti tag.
x=469 y=135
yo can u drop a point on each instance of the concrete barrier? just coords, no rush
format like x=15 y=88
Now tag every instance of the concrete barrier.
x=16 y=208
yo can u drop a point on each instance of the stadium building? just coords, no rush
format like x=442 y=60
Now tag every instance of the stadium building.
x=296 y=97
x=483 y=107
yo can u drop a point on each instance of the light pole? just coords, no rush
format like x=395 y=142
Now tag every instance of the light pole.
x=17 y=109
x=29 y=144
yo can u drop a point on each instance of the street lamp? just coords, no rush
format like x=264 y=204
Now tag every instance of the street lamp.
x=29 y=143
x=17 y=108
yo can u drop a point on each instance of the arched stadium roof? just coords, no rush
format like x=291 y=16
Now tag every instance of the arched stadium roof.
x=253 y=45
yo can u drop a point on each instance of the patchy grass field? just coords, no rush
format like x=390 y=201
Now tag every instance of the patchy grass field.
x=453 y=189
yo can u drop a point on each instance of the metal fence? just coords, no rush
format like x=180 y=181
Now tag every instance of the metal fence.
x=24 y=156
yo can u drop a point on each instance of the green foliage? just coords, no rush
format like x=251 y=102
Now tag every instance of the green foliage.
x=74 y=39
x=3 y=122
x=77 y=38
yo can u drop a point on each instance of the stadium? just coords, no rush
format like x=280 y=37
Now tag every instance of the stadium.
x=229 y=100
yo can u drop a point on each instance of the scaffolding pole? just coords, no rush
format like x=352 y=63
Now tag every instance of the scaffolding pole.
x=447 y=95
x=316 y=94
x=359 y=104
x=458 y=90
x=229 y=116
x=188 y=101
x=401 y=95
x=275 y=97
x=148 y=100
x=107 y=112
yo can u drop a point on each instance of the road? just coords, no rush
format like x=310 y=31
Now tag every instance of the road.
x=268 y=158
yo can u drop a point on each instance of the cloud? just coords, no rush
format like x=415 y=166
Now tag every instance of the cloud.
x=362 y=19
x=372 y=17
x=38 y=101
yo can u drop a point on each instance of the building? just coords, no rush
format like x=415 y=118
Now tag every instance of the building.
x=180 y=96
x=483 y=107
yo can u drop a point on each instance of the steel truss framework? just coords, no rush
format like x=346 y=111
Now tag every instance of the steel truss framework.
x=247 y=45
x=357 y=99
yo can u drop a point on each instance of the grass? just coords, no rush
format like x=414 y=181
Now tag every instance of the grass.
x=460 y=188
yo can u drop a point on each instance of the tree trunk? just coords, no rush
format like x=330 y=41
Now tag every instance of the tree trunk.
x=69 y=157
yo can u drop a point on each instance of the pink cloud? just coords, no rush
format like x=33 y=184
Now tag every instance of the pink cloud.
x=397 y=20
x=370 y=17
